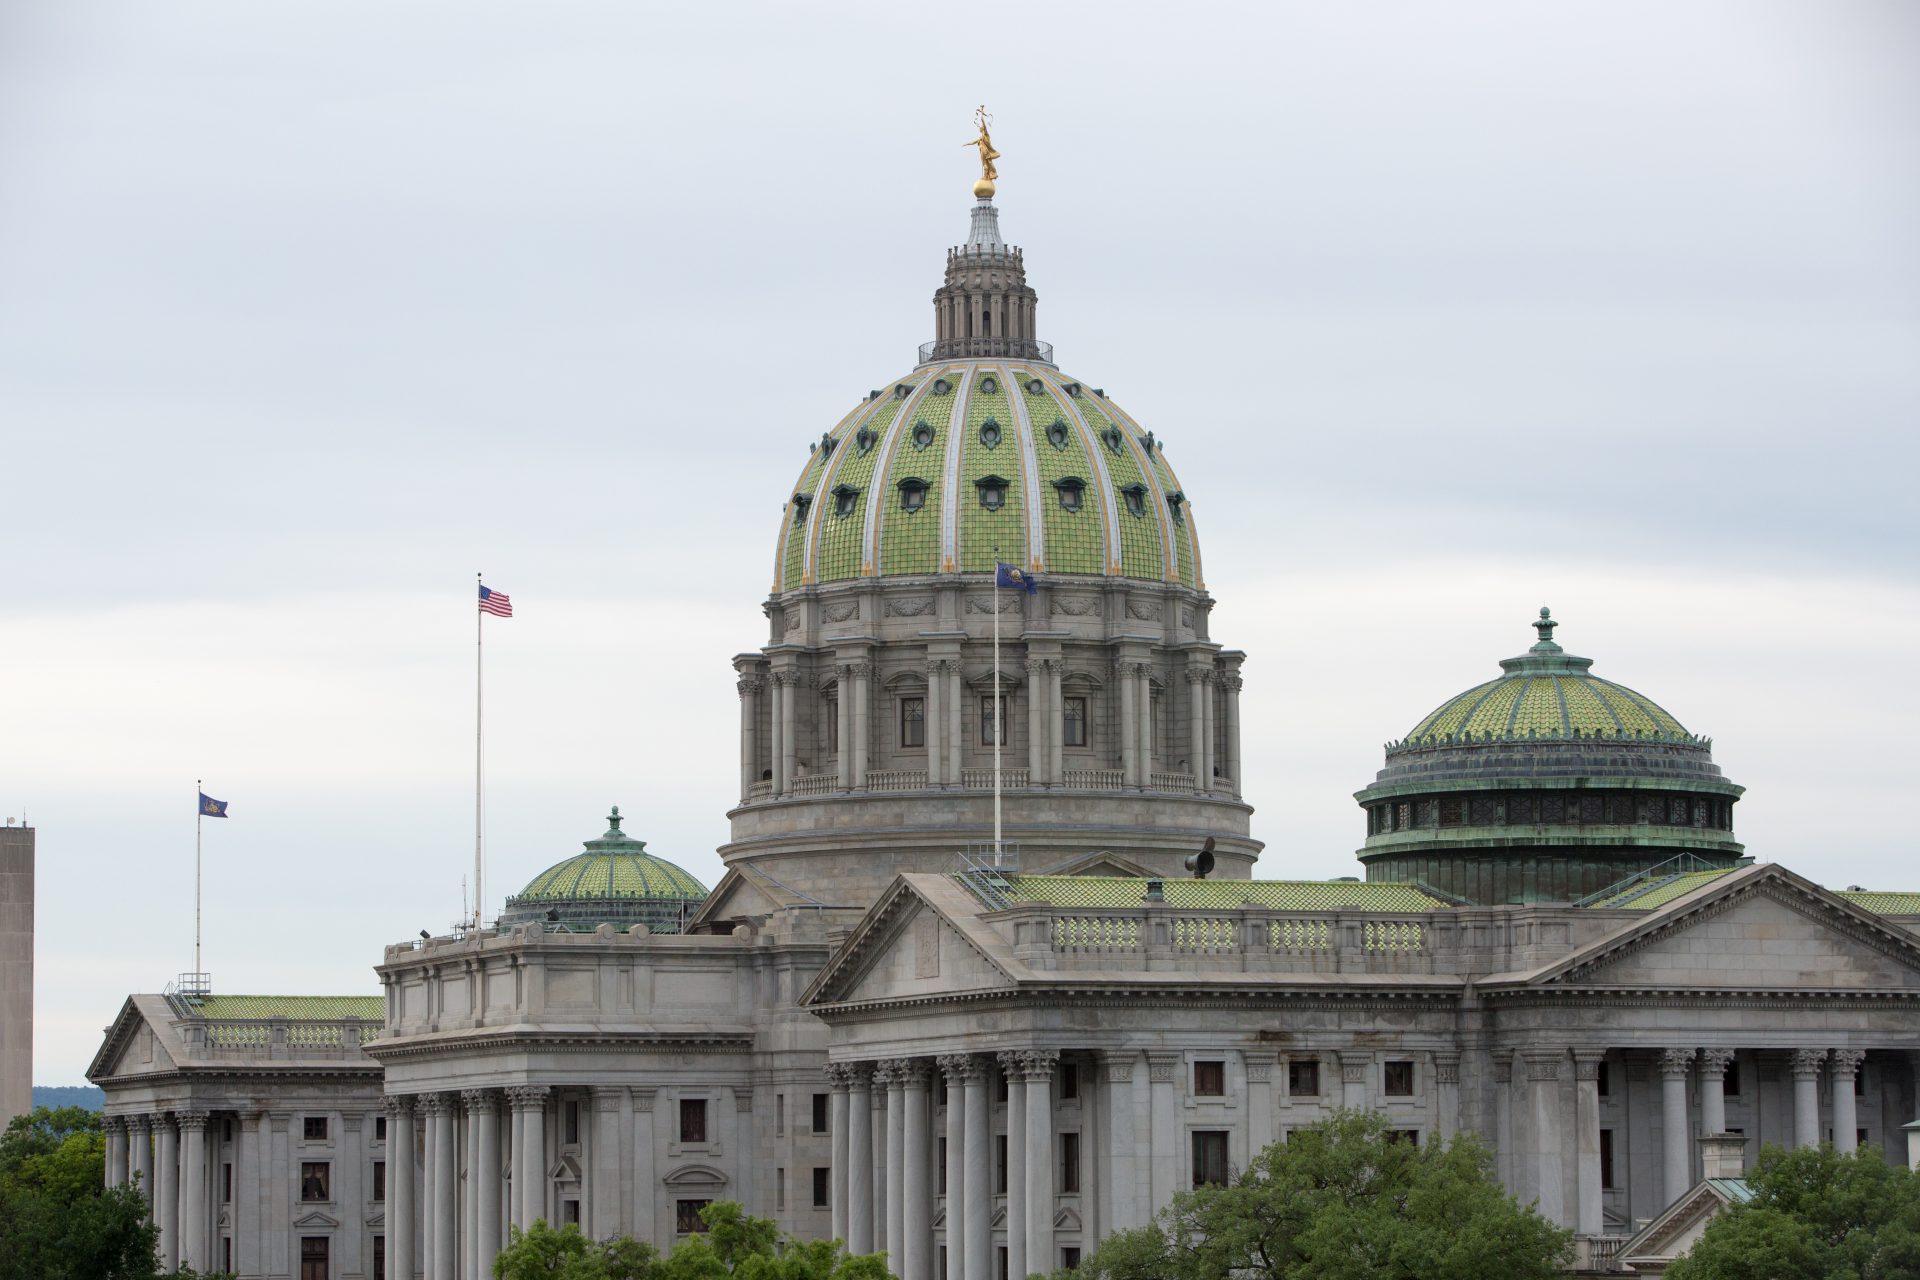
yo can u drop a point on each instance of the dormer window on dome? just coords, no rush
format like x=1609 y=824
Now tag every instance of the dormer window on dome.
x=989 y=385
x=1057 y=434
x=1035 y=387
x=1136 y=499
x=990 y=434
x=1176 y=506
x=845 y=499
x=993 y=492
x=922 y=434
x=865 y=440
x=913 y=493
x=1071 y=490
x=801 y=501
x=1112 y=438
x=942 y=387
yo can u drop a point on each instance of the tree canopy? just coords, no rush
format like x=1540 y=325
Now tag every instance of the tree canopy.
x=57 y=1220
x=1815 y=1215
x=1343 y=1200
x=735 y=1246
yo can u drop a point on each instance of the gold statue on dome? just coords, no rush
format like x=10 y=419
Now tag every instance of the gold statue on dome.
x=984 y=187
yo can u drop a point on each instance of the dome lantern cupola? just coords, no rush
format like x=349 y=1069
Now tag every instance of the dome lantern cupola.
x=985 y=308
x=1546 y=784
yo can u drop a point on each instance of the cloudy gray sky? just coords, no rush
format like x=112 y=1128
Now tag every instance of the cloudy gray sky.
x=308 y=311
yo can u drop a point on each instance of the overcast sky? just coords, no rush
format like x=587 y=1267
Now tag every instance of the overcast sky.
x=308 y=311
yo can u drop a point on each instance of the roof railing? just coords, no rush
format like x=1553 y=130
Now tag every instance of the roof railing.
x=1660 y=873
x=976 y=348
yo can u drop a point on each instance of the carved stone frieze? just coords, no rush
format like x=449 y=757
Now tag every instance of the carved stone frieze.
x=909 y=606
x=984 y=604
x=1674 y=1062
x=1145 y=610
x=842 y=611
x=1076 y=606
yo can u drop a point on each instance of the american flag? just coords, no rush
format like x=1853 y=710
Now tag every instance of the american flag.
x=495 y=603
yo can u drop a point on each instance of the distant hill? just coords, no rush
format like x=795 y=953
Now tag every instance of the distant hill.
x=68 y=1095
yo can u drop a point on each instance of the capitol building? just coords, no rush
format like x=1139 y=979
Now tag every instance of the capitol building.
x=981 y=1055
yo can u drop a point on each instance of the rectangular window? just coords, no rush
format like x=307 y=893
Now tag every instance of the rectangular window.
x=822 y=1187
x=1000 y=1086
x=315 y=1258
x=1210 y=1079
x=833 y=725
x=1606 y=1159
x=1399 y=1079
x=379 y=1258
x=1069 y=1080
x=1000 y=1263
x=226 y=1255
x=780 y=1190
x=226 y=1183
x=987 y=706
x=1860 y=1083
x=1069 y=1163
x=1303 y=1078
x=822 y=1115
x=1602 y=1081
x=779 y=1115
x=941 y=1270
x=1409 y=1136
x=686 y=1216
x=693 y=1121
x=379 y=1128
x=569 y=1213
x=940 y=1168
x=1069 y=1258
x=913 y=722
x=1730 y=1080
x=1073 y=722
x=1000 y=1164
x=316 y=1178
x=379 y=1179
x=570 y=1124
x=1209 y=1157
x=314 y=1128
x=1450 y=812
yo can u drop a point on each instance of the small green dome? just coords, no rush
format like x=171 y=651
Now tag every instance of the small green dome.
x=614 y=881
x=928 y=476
x=1546 y=693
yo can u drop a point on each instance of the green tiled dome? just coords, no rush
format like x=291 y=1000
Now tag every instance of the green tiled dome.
x=961 y=457
x=614 y=881
x=1546 y=693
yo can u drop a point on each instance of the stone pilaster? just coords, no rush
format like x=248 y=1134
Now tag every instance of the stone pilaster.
x=1547 y=1146
x=859 y=1158
x=1713 y=1089
x=837 y=1077
x=193 y=1190
x=1036 y=1071
x=529 y=1103
x=1806 y=1096
x=917 y=1209
x=1676 y=1165
x=1846 y=1115
x=402 y=1199
x=1590 y=1210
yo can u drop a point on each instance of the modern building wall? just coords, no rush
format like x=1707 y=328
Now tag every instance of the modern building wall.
x=16 y=972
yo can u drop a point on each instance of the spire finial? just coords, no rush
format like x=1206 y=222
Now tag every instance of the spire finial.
x=1545 y=626
x=983 y=189
x=613 y=819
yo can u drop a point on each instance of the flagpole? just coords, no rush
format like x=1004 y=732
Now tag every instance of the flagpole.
x=199 y=819
x=479 y=711
x=999 y=707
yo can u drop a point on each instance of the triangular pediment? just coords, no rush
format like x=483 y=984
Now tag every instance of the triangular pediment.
x=908 y=946
x=1673 y=1231
x=734 y=897
x=1103 y=863
x=695 y=1177
x=134 y=1045
x=316 y=1219
x=1759 y=928
x=1066 y=1220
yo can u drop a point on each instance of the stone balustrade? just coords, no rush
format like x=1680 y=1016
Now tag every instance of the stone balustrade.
x=1338 y=941
x=1011 y=779
x=276 y=1038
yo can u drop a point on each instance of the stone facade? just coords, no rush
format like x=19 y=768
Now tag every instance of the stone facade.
x=16 y=972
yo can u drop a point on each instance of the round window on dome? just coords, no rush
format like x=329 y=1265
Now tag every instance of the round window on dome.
x=1057 y=434
x=922 y=434
x=990 y=434
x=989 y=386
x=1035 y=386
x=941 y=386
x=1112 y=436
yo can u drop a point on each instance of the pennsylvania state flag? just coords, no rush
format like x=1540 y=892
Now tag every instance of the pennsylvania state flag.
x=211 y=808
x=1005 y=575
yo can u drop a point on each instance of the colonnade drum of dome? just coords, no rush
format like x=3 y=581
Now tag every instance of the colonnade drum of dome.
x=1547 y=784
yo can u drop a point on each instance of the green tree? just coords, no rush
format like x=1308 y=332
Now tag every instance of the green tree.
x=57 y=1219
x=1343 y=1200
x=1815 y=1215
x=735 y=1246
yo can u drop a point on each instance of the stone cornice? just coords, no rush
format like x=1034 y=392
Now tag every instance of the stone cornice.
x=483 y=1040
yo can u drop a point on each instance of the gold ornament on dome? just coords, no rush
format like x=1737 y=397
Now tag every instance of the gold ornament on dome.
x=981 y=120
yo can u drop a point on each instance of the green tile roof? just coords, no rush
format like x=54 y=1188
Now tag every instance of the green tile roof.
x=1562 y=705
x=612 y=875
x=302 y=1008
x=1284 y=895
x=1646 y=895
x=1883 y=902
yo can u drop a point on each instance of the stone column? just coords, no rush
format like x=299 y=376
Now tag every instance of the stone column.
x=1846 y=1118
x=646 y=1189
x=193 y=1190
x=1129 y=725
x=483 y=1178
x=918 y=1209
x=896 y=1072
x=1502 y=1063
x=955 y=1067
x=1197 y=726
x=1209 y=753
x=530 y=1156
x=1543 y=1098
x=1122 y=1158
x=166 y=1180
x=1037 y=1069
x=1356 y=1068
x=248 y=1176
x=776 y=733
x=977 y=1180
x=1036 y=721
x=1676 y=1164
x=1713 y=1089
x=1806 y=1096
x=1163 y=1118
x=749 y=687
x=116 y=1130
x=443 y=1178
x=1233 y=765
x=935 y=726
x=1446 y=1078
x=1590 y=1215
x=1016 y=1218
x=402 y=1205
x=1143 y=731
x=605 y=1190
x=862 y=723
x=843 y=725
x=859 y=1159
x=1056 y=726
x=955 y=739
x=877 y=1150
x=140 y=1160
x=1260 y=1127
x=837 y=1141
x=471 y=1193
